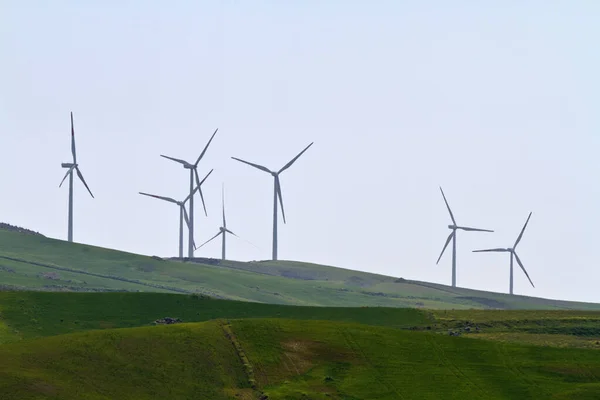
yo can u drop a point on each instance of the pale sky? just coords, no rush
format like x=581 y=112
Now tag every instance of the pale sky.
x=497 y=102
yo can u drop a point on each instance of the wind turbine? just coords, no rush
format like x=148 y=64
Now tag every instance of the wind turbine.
x=513 y=254
x=182 y=211
x=193 y=174
x=222 y=230
x=72 y=167
x=276 y=192
x=452 y=237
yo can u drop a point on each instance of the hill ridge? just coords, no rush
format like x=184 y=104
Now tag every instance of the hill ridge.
x=25 y=260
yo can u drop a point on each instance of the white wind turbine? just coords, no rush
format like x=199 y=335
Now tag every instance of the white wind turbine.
x=223 y=230
x=182 y=211
x=276 y=192
x=193 y=174
x=72 y=167
x=513 y=255
x=452 y=237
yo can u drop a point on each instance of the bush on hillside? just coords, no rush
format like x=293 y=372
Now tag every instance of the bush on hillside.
x=13 y=228
x=167 y=321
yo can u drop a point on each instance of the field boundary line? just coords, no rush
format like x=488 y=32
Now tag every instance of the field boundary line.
x=116 y=278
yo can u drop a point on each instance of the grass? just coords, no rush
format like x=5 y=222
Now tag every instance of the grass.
x=30 y=262
x=576 y=323
x=79 y=327
x=365 y=362
x=174 y=362
x=25 y=315
x=35 y=314
x=290 y=359
x=543 y=339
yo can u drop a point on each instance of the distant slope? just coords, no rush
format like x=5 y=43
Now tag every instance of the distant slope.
x=39 y=263
x=286 y=359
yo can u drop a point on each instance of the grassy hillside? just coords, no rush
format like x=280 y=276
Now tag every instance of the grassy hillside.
x=35 y=262
x=175 y=362
x=287 y=359
x=27 y=315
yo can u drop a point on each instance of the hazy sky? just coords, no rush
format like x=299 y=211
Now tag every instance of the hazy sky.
x=498 y=102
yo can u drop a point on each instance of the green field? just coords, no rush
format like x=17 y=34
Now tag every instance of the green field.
x=289 y=359
x=77 y=322
x=104 y=346
x=31 y=262
x=27 y=315
x=35 y=314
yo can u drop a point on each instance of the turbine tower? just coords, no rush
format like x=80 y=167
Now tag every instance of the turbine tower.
x=276 y=192
x=193 y=174
x=72 y=167
x=182 y=211
x=513 y=255
x=222 y=230
x=452 y=237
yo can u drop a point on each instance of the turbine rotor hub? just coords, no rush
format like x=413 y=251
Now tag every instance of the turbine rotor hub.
x=274 y=174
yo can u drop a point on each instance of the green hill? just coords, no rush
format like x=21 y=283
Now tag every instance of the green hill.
x=35 y=262
x=273 y=330
x=287 y=359
x=27 y=315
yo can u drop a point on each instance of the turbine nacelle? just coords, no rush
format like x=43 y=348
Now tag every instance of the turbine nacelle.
x=453 y=227
x=68 y=165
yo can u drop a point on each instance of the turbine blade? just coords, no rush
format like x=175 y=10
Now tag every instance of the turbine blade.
x=199 y=188
x=160 y=197
x=447 y=205
x=67 y=174
x=202 y=181
x=187 y=222
x=176 y=160
x=445 y=245
x=286 y=166
x=191 y=194
x=80 y=175
x=186 y=217
x=278 y=186
x=202 y=198
x=489 y=250
x=73 y=140
x=464 y=228
x=523 y=268
x=241 y=238
x=522 y=231
x=214 y=237
x=205 y=148
x=254 y=165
